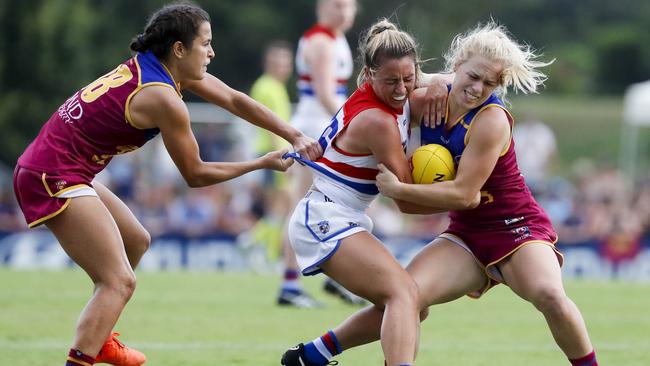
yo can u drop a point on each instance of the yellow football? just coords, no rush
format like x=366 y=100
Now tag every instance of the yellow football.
x=432 y=163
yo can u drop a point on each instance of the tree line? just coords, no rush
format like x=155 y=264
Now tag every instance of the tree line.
x=51 y=48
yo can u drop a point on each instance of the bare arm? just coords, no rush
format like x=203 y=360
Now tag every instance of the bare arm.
x=427 y=79
x=160 y=107
x=374 y=131
x=490 y=134
x=319 y=55
x=214 y=90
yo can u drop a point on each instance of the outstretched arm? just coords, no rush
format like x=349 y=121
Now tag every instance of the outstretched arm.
x=161 y=107
x=214 y=90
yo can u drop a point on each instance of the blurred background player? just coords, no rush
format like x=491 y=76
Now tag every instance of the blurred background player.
x=536 y=153
x=324 y=64
x=118 y=113
x=274 y=196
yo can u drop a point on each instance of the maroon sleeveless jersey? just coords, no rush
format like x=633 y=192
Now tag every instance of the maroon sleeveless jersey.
x=508 y=216
x=94 y=125
x=505 y=197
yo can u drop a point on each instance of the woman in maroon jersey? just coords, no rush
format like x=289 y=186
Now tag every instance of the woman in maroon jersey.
x=115 y=114
x=508 y=238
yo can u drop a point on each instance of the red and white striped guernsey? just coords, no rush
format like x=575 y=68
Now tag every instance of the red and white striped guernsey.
x=343 y=66
x=349 y=179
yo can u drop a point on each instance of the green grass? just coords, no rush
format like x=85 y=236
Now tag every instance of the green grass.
x=208 y=318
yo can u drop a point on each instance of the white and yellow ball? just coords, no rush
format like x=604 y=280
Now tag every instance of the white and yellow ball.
x=432 y=163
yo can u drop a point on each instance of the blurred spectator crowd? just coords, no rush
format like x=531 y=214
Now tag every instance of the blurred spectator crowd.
x=596 y=205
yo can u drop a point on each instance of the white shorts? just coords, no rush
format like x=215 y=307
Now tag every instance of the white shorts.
x=317 y=227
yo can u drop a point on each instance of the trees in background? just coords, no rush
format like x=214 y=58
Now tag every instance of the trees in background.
x=50 y=48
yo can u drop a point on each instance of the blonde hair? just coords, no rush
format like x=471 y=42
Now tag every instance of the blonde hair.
x=493 y=42
x=385 y=40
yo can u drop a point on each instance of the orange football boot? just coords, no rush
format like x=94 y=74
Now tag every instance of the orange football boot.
x=117 y=353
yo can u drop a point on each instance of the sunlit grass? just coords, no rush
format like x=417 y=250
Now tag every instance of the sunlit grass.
x=210 y=318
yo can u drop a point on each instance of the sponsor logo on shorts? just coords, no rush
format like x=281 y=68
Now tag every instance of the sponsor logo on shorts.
x=324 y=227
x=513 y=220
x=521 y=233
x=353 y=224
x=60 y=184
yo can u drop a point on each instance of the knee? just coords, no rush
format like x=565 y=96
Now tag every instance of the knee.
x=126 y=286
x=136 y=245
x=406 y=292
x=550 y=299
x=121 y=286
x=143 y=241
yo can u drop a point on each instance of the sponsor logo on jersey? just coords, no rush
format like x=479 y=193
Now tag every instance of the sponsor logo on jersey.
x=521 y=233
x=71 y=110
x=513 y=220
x=324 y=227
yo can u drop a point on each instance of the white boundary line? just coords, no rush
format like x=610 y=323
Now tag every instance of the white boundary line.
x=47 y=344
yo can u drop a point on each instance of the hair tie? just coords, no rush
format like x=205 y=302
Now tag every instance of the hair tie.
x=382 y=28
x=141 y=39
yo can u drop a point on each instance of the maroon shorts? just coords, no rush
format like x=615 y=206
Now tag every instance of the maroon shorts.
x=493 y=245
x=42 y=196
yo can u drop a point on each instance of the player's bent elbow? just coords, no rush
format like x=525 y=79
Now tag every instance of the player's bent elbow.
x=205 y=175
x=195 y=179
x=193 y=182
x=473 y=205
x=407 y=207
x=469 y=202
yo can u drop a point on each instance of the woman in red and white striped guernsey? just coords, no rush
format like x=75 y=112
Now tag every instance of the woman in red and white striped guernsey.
x=330 y=231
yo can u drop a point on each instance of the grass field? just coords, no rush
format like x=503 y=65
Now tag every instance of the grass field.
x=191 y=318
